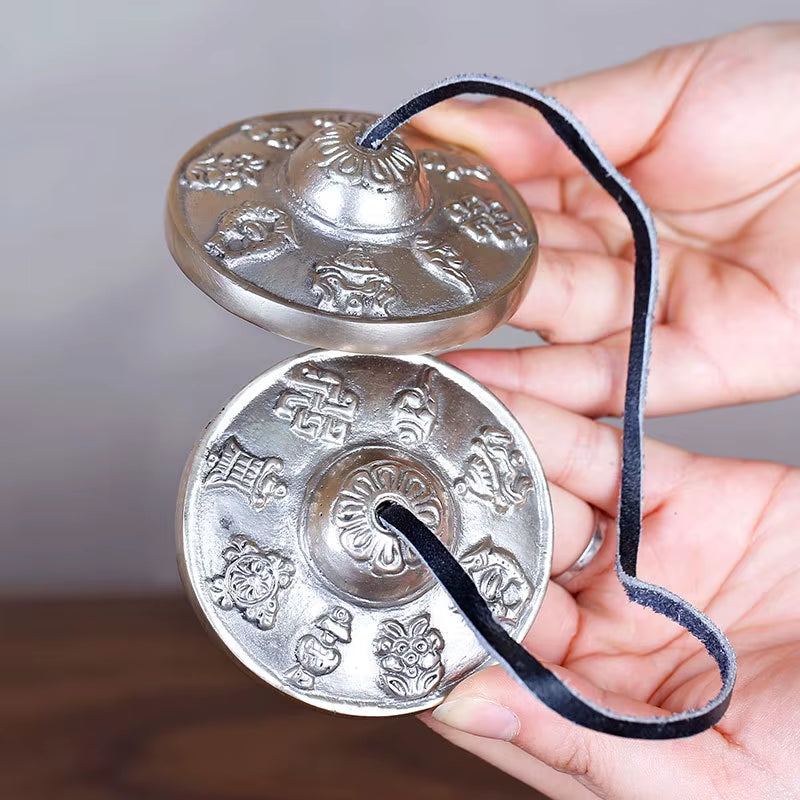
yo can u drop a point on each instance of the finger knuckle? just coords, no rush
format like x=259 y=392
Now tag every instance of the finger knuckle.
x=572 y=756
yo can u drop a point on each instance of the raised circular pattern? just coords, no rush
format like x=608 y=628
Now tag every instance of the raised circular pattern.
x=340 y=183
x=284 y=558
x=286 y=221
x=351 y=549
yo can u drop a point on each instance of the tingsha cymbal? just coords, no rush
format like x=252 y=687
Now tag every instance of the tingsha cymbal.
x=284 y=557
x=286 y=221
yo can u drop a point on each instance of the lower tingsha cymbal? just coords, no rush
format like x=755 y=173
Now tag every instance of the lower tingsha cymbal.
x=286 y=221
x=284 y=557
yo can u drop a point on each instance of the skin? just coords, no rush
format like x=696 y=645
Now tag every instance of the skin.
x=709 y=135
x=721 y=533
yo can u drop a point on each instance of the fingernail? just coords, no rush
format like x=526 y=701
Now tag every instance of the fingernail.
x=478 y=716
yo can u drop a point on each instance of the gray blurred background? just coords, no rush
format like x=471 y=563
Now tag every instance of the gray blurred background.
x=111 y=361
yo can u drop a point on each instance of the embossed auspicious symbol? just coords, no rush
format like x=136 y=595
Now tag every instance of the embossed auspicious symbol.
x=318 y=405
x=443 y=261
x=251 y=581
x=353 y=284
x=499 y=579
x=495 y=471
x=353 y=513
x=391 y=166
x=256 y=478
x=434 y=161
x=281 y=137
x=487 y=222
x=326 y=120
x=251 y=231
x=223 y=173
x=414 y=410
x=317 y=653
x=409 y=657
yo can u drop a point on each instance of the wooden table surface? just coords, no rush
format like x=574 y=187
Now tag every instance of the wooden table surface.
x=123 y=699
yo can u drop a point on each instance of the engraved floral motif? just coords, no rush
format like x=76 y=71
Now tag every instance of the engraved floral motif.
x=495 y=471
x=256 y=478
x=282 y=137
x=443 y=261
x=252 y=581
x=353 y=284
x=409 y=657
x=437 y=162
x=499 y=579
x=223 y=173
x=390 y=166
x=317 y=404
x=487 y=222
x=251 y=231
x=353 y=513
x=414 y=410
x=316 y=652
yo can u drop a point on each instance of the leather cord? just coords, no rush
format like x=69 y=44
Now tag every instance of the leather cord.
x=540 y=681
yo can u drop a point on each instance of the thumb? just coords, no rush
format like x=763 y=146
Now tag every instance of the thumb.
x=491 y=705
x=622 y=107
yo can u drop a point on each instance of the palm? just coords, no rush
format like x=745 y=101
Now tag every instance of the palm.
x=720 y=168
x=710 y=137
x=718 y=532
x=748 y=585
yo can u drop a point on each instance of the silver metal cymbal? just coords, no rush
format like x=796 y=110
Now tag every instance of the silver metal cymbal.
x=286 y=562
x=286 y=221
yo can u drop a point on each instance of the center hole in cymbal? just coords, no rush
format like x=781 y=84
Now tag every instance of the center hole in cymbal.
x=360 y=131
x=382 y=505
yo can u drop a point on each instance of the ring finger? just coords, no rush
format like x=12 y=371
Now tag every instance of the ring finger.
x=574 y=522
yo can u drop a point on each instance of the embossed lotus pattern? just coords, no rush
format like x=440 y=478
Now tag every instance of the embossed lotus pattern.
x=353 y=513
x=391 y=166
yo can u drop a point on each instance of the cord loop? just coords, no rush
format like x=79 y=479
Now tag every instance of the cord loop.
x=540 y=681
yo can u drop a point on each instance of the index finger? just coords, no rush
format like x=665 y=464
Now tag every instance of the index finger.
x=622 y=107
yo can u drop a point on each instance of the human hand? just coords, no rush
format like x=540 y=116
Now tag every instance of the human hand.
x=717 y=532
x=709 y=134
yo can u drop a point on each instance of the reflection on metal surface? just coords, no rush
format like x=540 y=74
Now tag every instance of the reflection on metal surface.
x=309 y=221
x=320 y=600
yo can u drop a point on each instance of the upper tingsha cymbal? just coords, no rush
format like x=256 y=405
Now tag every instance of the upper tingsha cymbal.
x=286 y=221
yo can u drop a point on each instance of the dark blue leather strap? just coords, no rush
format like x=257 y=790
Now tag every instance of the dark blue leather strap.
x=541 y=682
